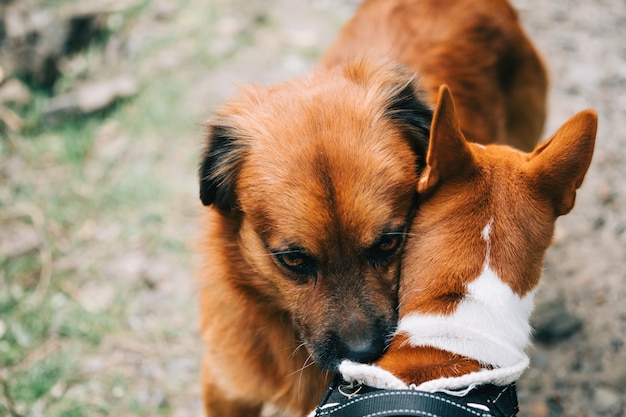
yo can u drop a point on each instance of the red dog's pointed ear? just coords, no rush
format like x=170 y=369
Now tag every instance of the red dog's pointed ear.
x=558 y=166
x=448 y=152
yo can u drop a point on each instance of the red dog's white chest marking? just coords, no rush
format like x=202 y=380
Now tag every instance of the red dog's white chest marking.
x=490 y=324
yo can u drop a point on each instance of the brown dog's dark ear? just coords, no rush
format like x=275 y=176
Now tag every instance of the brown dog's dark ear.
x=414 y=116
x=448 y=152
x=403 y=99
x=558 y=166
x=219 y=168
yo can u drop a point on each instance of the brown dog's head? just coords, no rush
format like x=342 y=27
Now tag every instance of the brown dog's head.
x=317 y=179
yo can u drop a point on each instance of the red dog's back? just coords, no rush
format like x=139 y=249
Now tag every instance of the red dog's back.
x=477 y=47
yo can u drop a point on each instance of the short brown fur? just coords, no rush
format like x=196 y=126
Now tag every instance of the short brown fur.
x=476 y=47
x=523 y=192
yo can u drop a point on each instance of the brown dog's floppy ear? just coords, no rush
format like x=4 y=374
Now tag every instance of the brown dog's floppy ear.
x=403 y=99
x=414 y=115
x=219 y=168
x=448 y=152
x=558 y=166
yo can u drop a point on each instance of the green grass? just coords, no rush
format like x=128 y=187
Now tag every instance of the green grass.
x=41 y=336
x=45 y=330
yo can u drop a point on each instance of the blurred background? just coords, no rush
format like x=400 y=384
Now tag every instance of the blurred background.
x=101 y=110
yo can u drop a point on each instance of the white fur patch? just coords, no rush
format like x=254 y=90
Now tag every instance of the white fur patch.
x=371 y=375
x=463 y=384
x=487 y=234
x=377 y=377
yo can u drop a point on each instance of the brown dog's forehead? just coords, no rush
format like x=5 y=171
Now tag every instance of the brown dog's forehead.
x=322 y=164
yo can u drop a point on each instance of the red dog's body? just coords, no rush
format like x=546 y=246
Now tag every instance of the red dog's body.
x=474 y=256
x=312 y=189
x=476 y=47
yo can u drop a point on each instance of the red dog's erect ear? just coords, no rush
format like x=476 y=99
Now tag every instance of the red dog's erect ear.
x=448 y=152
x=558 y=166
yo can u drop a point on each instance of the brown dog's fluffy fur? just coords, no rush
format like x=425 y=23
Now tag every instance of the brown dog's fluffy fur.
x=302 y=246
x=311 y=189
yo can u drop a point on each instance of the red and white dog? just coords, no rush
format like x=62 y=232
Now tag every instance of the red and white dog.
x=474 y=256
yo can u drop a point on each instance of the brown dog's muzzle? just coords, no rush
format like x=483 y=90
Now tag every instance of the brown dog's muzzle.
x=360 y=337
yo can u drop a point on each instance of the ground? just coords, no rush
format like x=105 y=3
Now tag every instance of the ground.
x=98 y=309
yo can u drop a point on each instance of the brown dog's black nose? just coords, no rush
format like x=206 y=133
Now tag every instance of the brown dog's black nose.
x=364 y=352
x=361 y=348
x=364 y=344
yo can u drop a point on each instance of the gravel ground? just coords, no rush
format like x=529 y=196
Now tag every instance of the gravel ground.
x=584 y=374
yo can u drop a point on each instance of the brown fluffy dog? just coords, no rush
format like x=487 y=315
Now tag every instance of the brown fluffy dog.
x=311 y=187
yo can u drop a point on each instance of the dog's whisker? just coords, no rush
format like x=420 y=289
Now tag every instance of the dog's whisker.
x=409 y=234
x=304 y=366
x=295 y=351
x=271 y=254
x=263 y=255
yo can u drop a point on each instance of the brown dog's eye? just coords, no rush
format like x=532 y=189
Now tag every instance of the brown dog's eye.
x=388 y=243
x=292 y=260
x=386 y=246
x=297 y=262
